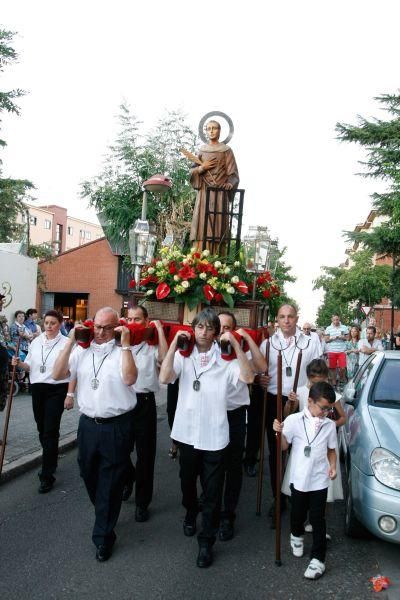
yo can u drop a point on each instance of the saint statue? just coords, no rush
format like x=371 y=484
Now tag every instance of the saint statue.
x=216 y=169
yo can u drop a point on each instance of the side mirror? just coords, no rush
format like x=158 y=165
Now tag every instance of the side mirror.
x=350 y=394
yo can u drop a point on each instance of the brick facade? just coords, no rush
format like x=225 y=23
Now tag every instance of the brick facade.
x=89 y=269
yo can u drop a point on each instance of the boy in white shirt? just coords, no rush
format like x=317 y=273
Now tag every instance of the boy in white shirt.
x=314 y=442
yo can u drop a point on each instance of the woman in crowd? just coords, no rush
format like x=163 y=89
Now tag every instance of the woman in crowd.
x=19 y=330
x=48 y=395
x=352 y=352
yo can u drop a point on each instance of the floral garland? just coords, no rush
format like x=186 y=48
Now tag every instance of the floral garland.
x=201 y=277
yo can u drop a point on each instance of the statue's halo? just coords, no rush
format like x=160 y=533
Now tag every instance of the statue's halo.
x=211 y=115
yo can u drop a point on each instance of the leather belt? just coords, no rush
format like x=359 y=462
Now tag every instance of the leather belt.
x=104 y=421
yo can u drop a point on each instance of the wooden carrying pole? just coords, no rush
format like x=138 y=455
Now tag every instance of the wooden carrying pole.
x=8 y=410
x=278 y=466
x=262 y=438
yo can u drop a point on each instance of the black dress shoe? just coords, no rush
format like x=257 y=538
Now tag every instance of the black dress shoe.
x=250 y=470
x=189 y=526
x=45 y=486
x=205 y=557
x=126 y=494
x=103 y=553
x=226 y=531
x=141 y=514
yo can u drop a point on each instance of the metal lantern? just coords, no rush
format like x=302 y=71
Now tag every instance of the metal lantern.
x=256 y=243
x=141 y=243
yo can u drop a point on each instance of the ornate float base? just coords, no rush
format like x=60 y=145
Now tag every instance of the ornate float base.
x=251 y=314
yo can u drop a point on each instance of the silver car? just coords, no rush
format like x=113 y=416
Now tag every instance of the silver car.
x=370 y=442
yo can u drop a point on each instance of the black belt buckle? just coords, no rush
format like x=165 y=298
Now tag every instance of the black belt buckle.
x=99 y=420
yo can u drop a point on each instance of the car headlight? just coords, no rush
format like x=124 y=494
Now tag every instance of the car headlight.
x=386 y=467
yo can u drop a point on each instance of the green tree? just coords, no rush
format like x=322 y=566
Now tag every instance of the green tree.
x=117 y=192
x=381 y=140
x=12 y=191
x=348 y=289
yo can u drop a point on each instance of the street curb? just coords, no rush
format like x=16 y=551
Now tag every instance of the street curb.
x=29 y=461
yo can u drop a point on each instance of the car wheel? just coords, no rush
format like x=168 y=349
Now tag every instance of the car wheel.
x=352 y=526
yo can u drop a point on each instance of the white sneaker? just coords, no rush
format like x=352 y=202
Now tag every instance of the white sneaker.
x=297 y=545
x=315 y=569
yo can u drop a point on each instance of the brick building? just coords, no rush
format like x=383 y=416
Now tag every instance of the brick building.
x=82 y=280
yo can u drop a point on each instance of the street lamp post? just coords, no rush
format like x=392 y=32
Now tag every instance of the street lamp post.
x=141 y=241
x=257 y=247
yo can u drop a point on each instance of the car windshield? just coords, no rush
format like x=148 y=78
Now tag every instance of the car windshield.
x=386 y=391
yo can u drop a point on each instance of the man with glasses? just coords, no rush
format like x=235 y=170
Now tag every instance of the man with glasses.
x=105 y=374
x=201 y=424
x=148 y=359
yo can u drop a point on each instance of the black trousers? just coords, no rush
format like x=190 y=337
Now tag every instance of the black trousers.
x=314 y=504
x=209 y=467
x=172 y=401
x=254 y=415
x=233 y=461
x=144 y=437
x=103 y=455
x=3 y=377
x=48 y=407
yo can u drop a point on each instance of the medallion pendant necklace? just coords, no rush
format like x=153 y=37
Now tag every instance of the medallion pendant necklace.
x=42 y=367
x=94 y=384
x=307 y=448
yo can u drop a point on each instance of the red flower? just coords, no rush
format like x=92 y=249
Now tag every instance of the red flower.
x=266 y=293
x=132 y=284
x=209 y=292
x=242 y=287
x=187 y=272
x=172 y=268
x=148 y=279
x=162 y=291
x=196 y=255
x=218 y=297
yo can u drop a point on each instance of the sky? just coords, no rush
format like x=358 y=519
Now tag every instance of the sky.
x=285 y=72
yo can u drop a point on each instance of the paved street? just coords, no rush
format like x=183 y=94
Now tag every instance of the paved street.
x=46 y=550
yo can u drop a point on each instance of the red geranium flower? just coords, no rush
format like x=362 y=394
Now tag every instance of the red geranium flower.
x=187 y=272
x=162 y=291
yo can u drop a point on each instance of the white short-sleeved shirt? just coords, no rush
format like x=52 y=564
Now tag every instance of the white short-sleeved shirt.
x=309 y=473
x=146 y=362
x=238 y=395
x=112 y=397
x=376 y=345
x=201 y=416
x=43 y=352
x=311 y=348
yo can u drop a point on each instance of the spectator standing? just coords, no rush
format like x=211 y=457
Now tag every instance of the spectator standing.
x=31 y=322
x=336 y=338
x=370 y=345
x=4 y=339
x=19 y=330
x=352 y=352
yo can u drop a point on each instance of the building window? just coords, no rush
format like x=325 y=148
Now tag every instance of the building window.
x=33 y=220
x=70 y=230
x=85 y=235
x=88 y=235
x=47 y=224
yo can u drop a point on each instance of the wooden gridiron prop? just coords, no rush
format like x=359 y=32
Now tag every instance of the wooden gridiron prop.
x=8 y=410
x=262 y=439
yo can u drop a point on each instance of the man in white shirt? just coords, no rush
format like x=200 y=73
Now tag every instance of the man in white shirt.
x=201 y=424
x=105 y=374
x=238 y=399
x=369 y=345
x=147 y=358
x=288 y=340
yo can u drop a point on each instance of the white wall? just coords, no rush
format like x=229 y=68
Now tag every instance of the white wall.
x=18 y=275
